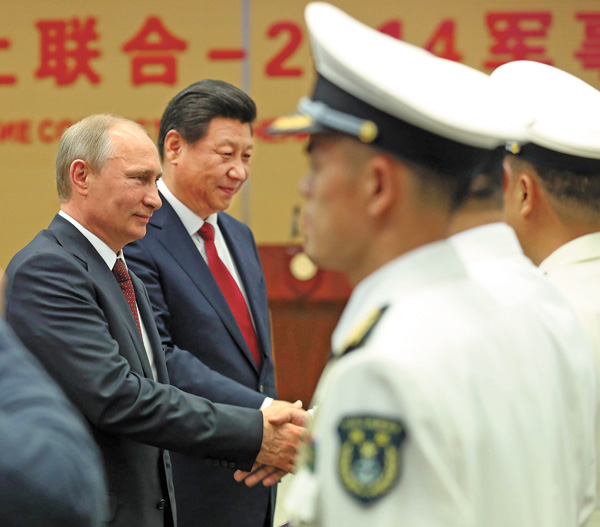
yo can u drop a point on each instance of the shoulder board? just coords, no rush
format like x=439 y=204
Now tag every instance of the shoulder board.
x=361 y=333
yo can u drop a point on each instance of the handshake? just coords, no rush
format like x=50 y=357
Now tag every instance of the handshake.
x=284 y=425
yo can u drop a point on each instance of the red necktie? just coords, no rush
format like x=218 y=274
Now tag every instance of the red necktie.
x=230 y=290
x=122 y=276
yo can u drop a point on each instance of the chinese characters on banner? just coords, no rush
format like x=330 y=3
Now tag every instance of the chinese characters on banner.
x=71 y=50
x=68 y=49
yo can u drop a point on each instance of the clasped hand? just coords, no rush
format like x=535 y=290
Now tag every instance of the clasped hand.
x=283 y=426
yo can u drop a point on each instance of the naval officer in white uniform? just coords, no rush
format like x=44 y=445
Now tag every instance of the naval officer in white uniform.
x=552 y=190
x=444 y=406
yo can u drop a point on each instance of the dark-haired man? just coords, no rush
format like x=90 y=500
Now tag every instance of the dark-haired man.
x=207 y=288
x=552 y=188
x=493 y=256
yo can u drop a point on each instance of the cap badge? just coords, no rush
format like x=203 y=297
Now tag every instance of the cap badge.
x=367 y=132
x=513 y=147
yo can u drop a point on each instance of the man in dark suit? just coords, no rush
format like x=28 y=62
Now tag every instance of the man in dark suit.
x=50 y=469
x=205 y=143
x=94 y=330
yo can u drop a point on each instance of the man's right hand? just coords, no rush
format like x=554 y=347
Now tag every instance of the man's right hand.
x=283 y=426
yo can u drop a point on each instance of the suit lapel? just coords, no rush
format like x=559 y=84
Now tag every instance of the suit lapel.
x=148 y=318
x=70 y=238
x=172 y=235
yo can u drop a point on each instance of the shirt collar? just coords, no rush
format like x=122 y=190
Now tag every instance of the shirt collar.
x=586 y=247
x=492 y=240
x=423 y=267
x=105 y=252
x=191 y=221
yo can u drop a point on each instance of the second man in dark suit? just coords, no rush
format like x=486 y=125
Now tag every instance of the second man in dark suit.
x=208 y=290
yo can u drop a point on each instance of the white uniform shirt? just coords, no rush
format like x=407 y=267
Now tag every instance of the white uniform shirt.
x=575 y=269
x=483 y=398
x=495 y=259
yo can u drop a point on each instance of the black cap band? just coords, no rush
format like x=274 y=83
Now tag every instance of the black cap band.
x=551 y=158
x=404 y=139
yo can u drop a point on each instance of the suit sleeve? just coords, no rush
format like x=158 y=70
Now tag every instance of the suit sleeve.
x=52 y=304
x=187 y=371
x=50 y=469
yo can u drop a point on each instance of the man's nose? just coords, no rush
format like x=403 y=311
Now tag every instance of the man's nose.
x=152 y=198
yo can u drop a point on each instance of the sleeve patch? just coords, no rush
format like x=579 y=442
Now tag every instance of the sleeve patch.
x=370 y=459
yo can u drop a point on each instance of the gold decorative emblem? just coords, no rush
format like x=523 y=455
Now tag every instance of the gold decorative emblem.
x=368 y=132
x=513 y=147
x=370 y=459
x=291 y=123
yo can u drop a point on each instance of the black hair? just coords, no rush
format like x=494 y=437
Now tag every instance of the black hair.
x=192 y=109
x=580 y=188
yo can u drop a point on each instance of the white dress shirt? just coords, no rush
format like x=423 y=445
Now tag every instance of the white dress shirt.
x=110 y=258
x=193 y=223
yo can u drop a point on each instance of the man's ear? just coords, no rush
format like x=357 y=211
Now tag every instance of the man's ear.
x=79 y=174
x=380 y=185
x=528 y=193
x=173 y=146
x=521 y=188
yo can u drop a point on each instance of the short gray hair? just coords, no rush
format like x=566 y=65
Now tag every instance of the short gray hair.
x=88 y=140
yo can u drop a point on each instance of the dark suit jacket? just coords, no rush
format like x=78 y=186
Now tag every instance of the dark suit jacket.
x=207 y=354
x=68 y=309
x=50 y=469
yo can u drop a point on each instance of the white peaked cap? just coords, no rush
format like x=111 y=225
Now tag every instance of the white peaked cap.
x=561 y=114
x=397 y=96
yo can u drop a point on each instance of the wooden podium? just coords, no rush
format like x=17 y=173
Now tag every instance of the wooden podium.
x=305 y=304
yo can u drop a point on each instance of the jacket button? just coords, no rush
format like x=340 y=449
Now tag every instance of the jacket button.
x=261 y=388
x=161 y=504
x=232 y=464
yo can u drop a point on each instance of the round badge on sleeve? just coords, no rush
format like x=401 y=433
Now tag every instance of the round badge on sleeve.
x=370 y=459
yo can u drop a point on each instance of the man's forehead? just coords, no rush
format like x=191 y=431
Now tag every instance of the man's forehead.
x=125 y=130
x=234 y=141
x=222 y=131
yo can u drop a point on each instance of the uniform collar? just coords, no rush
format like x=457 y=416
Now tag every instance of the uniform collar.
x=419 y=268
x=493 y=240
x=580 y=249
